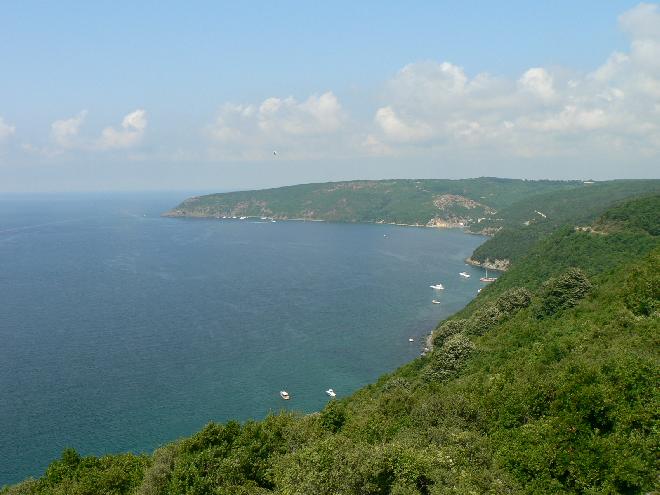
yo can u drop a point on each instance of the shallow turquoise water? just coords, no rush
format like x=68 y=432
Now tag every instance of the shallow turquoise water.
x=121 y=330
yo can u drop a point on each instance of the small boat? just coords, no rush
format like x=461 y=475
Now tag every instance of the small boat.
x=411 y=340
x=331 y=392
x=487 y=278
x=435 y=301
x=437 y=287
x=284 y=394
x=464 y=274
x=243 y=218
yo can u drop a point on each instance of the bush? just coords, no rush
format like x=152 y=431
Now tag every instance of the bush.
x=157 y=477
x=642 y=288
x=449 y=359
x=563 y=292
x=333 y=416
x=485 y=318
x=447 y=329
x=513 y=300
x=505 y=306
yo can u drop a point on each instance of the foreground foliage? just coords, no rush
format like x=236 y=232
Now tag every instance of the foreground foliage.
x=538 y=386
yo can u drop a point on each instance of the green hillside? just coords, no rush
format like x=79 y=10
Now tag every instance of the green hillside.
x=545 y=383
x=531 y=219
x=413 y=202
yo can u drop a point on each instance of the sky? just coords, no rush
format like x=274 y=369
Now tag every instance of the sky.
x=159 y=95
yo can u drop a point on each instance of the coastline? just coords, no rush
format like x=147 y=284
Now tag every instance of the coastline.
x=432 y=224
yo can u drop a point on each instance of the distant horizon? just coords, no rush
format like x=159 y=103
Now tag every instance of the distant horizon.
x=253 y=188
x=208 y=190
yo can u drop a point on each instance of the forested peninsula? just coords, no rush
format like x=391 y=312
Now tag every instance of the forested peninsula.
x=516 y=213
x=545 y=383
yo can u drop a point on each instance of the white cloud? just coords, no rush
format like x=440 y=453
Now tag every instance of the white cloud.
x=614 y=108
x=6 y=129
x=642 y=21
x=130 y=133
x=397 y=130
x=539 y=82
x=65 y=132
x=66 y=135
x=302 y=128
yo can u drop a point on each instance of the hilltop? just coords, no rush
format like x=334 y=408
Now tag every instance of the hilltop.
x=545 y=383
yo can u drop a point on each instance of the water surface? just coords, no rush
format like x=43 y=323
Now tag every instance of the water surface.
x=121 y=330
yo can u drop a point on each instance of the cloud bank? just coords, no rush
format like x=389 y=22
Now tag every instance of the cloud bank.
x=66 y=134
x=612 y=109
x=299 y=128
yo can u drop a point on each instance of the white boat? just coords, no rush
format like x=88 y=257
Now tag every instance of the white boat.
x=435 y=302
x=331 y=392
x=437 y=287
x=284 y=394
x=411 y=340
x=487 y=278
x=464 y=274
x=243 y=218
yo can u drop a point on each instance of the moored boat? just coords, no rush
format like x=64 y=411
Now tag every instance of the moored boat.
x=487 y=278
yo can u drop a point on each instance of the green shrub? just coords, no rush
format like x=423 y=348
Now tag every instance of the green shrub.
x=563 y=292
x=642 y=288
x=485 y=318
x=513 y=300
x=505 y=306
x=333 y=416
x=449 y=328
x=449 y=359
x=157 y=476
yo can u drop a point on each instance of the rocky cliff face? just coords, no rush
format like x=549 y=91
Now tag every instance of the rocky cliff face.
x=496 y=264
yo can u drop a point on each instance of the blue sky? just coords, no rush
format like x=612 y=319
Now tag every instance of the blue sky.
x=162 y=95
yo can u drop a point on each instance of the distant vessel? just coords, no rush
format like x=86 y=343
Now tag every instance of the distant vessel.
x=435 y=302
x=331 y=392
x=487 y=278
x=284 y=394
x=243 y=218
x=464 y=274
x=437 y=287
x=411 y=340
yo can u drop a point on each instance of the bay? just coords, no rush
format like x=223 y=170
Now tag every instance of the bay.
x=121 y=330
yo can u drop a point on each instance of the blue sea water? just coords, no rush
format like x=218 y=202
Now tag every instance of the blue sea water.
x=121 y=330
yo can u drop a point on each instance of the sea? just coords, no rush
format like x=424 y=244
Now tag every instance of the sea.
x=121 y=330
